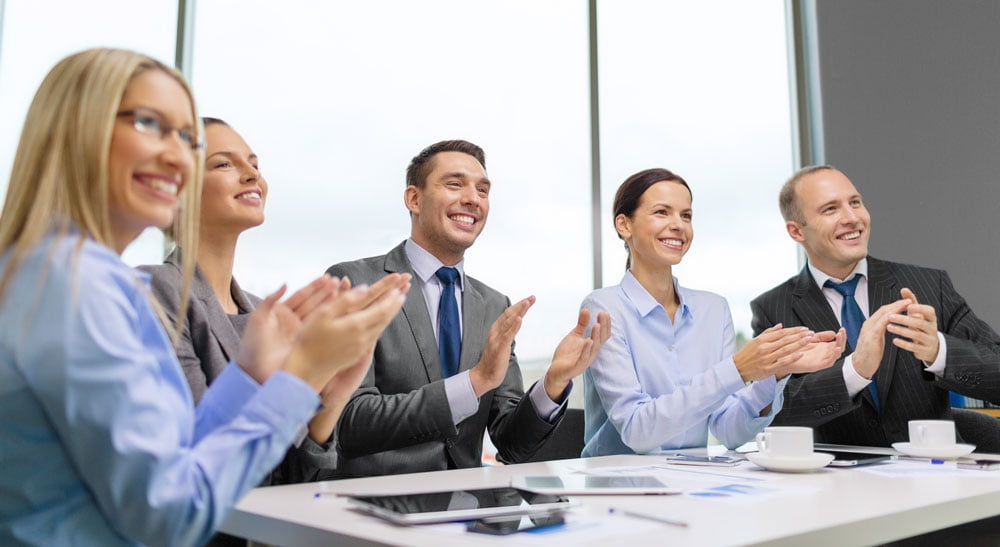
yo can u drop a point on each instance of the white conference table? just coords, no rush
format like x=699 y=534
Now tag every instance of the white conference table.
x=831 y=506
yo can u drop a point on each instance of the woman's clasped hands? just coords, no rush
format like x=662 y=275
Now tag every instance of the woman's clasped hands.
x=780 y=351
x=322 y=329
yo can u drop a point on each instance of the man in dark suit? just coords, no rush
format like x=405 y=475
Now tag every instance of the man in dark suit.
x=914 y=338
x=444 y=370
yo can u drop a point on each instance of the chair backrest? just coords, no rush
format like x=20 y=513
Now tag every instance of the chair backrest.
x=979 y=429
x=566 y=441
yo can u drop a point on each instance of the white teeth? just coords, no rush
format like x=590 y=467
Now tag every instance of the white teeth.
x=852 y=235
x=463 y=219
x=673 y=242
x=163 y=186
x=249 y=193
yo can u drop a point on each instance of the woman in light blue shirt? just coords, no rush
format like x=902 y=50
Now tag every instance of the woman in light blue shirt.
x=100 y=443
x=670 y=371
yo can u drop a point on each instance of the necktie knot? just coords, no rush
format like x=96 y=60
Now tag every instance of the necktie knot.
x=447 y=275
x=846 y=288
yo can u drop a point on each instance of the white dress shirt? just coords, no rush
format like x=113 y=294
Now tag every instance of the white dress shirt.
x=461 y=396
x=854 y=381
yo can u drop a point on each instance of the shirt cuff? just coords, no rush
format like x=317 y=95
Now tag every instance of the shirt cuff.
x=461 y=397
x=224 y=399
x=729 y=376
x=855 y=382
x=546 y=408
x=937 y=367
x=764 y=392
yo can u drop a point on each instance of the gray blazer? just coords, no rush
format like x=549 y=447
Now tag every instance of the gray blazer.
x=209 y=339
x=207 y=344
x=399 y=420
x=906 y=391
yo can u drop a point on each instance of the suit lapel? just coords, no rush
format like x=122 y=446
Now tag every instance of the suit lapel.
x=474 y=328
x=882 y=289
x=810 y=306
x=219 y=324
x=416 y=314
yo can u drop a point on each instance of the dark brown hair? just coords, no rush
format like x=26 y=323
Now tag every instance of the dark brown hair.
x=420 y=165
x=630 y=193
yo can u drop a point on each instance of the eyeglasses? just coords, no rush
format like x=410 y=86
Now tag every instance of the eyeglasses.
x=148 y=122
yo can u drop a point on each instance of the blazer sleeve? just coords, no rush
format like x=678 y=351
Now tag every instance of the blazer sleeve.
x=165 y=285
x=395 y=406
x=811 y=399
x=514 y=424
x=972 y=363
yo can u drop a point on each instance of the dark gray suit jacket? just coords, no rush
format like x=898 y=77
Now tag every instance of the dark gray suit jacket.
x=207 y=344
x=399 y=420
x=906 y=391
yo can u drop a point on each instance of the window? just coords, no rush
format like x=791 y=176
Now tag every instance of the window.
x=36 y=35
x=701 y=88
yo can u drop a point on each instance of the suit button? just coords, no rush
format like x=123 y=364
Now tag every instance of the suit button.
x=873 y=423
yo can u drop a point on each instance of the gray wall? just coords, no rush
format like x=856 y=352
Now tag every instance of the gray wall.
x=910 y=111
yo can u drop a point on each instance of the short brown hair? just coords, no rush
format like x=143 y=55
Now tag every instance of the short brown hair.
x=788 y=201
x=420 y=165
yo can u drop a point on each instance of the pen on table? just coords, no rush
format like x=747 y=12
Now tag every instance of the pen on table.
x=647 y=516
x=918 y=459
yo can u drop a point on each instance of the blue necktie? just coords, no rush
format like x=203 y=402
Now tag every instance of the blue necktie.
x=449 y=330
x=851 y=319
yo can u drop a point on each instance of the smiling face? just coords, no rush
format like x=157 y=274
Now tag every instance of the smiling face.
x=659 y=232
x=836 y=223
x=147 y=172
x=234 y=192
x=449 y=211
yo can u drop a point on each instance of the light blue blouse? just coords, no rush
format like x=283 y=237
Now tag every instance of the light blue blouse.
x=100 y=443
x=659 y=385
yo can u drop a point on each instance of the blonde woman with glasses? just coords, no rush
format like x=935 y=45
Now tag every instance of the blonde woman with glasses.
x=101 y=442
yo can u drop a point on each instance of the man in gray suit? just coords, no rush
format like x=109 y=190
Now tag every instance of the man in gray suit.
x=444 y=370
x=914 y=338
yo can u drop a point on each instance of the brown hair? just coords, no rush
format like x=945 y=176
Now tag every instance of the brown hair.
x=420 y=165
x=630 y=193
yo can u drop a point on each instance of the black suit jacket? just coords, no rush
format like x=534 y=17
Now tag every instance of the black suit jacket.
x=399 y=420
x=906 y=391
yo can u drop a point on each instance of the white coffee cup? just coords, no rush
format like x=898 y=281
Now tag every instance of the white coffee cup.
x=932 y=433
x=786 y=442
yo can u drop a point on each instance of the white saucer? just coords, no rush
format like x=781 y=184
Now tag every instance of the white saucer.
x=943 y=452
x=813 y=461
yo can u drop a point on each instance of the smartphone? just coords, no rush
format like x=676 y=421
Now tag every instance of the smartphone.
x=844 y=458
x=503 y=526
x=985 y=464
x=692 y=459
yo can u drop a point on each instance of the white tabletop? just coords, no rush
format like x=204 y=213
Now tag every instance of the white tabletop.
x=830 y=506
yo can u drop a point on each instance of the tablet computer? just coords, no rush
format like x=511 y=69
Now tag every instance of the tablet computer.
x=846 y=458
x=457 y=505
x=598 y=485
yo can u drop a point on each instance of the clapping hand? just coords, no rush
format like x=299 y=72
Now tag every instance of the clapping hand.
x=576 y=352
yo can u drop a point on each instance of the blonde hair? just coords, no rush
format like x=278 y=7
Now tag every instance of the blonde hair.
x=60 y=174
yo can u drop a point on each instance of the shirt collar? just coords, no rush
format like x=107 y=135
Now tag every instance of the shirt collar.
x=425 y=265
x=821 y=278
x=644 y=302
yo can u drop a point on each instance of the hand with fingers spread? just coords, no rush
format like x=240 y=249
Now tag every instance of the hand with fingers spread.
x=771 y=353
x=342 y=331
x=492 y=366
x=576 y=352
x=273 y=326
x=917 y=331
x=871 y=339
x=822 y=352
